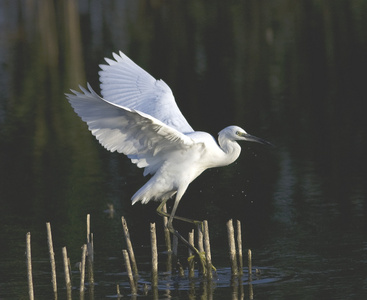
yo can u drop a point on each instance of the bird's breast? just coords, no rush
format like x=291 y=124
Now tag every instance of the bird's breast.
x=183 y=166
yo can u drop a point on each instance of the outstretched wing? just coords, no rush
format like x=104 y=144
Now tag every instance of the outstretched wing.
x=126 y=84
x=143 y=138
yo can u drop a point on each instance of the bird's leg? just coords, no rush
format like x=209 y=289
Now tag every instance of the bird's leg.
x=171 y=216
x=162 y=213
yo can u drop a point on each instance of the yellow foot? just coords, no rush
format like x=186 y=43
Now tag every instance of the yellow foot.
x=203 y=262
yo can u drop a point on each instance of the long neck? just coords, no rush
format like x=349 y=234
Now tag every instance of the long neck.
x=230 y=148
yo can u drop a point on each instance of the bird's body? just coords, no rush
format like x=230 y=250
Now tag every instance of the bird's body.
x=181 y=167
x=138 y=116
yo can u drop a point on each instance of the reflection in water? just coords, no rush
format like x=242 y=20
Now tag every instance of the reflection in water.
x=284 y=190
x=223 y=283
x=289 y=70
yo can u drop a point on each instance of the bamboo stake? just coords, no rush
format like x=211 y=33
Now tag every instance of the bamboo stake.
x=234 y=285
x=82 y=268
x=241 y=290
x=88 y=228
x=67 y=272
x=249 y=262
x=181 y=270
x=191 y=256
x=167 y=234
x=250 y=288
x=70 y=274
x=52 y=258
x=90 y=252
x=90 y=249
x=169 y=262
x=153 y=239
x=175 y=262
x=129 y=272
x=118 y=291
x=66 y=268
x=232 y=248
x=239 y=247
x=200 y=238
x=174 y=252
x=250 y=291
x=90 y=260
x=208 y=255
x=29 y=266
x=130 y=247
x=167 y=238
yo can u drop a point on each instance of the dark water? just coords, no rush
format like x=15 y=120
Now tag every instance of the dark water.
x=292 y=72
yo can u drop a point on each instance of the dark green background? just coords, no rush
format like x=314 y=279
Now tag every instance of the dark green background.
x=291 y=72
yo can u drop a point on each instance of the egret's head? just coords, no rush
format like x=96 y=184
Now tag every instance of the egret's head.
x=237 y=134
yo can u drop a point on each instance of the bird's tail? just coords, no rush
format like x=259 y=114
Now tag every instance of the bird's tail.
x=147 y=193
x=142 y=195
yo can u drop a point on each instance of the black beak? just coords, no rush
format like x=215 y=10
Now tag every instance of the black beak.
x=256 y=139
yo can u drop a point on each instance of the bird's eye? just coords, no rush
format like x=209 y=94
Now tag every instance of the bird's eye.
x=238 y=133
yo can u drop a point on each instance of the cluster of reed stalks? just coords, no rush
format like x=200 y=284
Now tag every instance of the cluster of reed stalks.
x=172 y=263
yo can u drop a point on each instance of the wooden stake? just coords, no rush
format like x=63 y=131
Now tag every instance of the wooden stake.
x=118 y=291
x=167 y=234
x=175 y=261
x=130 y=247
x=175 y=252
x=239 y=247
x=88 y=228
x=52 y=258
x=90 y=252
x=90 y=260
x=69 y=265
x=191 y=256
x=29 y=266
x=90 y=249
x=249 y=262
x=82 y=269
x=232 y=248
x=67 y=272
x=129 y=272
x=90 y=242
x=208 y=255
x=153 y=239
x=200 y=238
x=200 y=241
x=250 y=290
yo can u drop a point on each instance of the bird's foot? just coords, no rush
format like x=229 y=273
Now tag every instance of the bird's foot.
x=203 y=262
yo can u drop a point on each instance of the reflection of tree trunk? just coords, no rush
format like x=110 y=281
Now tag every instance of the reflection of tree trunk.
x=51 y=149
x=73 y=48
x=48 y=33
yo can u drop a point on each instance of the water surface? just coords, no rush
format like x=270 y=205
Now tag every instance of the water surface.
x=289 y=72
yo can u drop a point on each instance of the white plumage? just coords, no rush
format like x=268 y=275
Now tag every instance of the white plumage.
x=138 y=116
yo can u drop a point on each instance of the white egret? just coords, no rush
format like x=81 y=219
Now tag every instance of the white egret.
x=138 y=116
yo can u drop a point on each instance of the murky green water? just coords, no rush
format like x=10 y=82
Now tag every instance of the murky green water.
x=287 y=71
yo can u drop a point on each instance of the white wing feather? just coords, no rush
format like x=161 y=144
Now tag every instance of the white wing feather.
x=126 y=84
x=136 y=134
